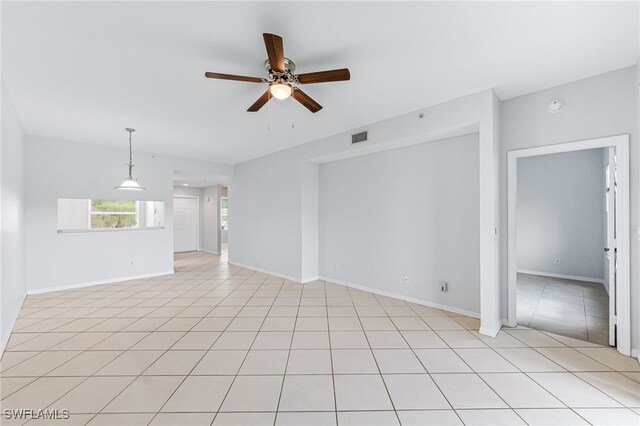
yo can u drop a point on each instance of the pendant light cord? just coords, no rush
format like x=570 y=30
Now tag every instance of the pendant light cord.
x=130 y=156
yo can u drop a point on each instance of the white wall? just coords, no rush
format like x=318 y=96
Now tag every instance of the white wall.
x=599 y=106
x=211 y=222
x=270 y=196
x=12 y=265
x=561 y=214
x=406 y=212
x=63 y=169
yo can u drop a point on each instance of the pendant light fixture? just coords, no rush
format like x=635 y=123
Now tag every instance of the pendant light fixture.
x=130 y=184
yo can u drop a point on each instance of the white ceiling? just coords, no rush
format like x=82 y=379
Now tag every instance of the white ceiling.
x=83 y=70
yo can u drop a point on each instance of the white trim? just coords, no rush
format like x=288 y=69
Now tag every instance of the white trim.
x=623 y=294
x=562 y=276
x=405 y=298
x=310 y=279
x=5 y=339
x=209 y=251
x=98 y=282
x=635 y=353
x=264 y=271
x=488 y=332
x=197 y=198
x=75 y=231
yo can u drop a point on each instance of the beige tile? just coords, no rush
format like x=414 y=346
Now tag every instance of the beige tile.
x=414 y=391
x=309 y=418
x=212 y=324
x=367 y=418
x=378 y=324
x=220 y=362
x=309 y=362
x=273 y=340
x=619 y=387
x=42 y=342
x=130 y=363
x=519 y=391
x=197 y=340
x=260 y=362
x=85 y=364
x=611 y=358
x=386 y=340
x=344 y=324
x=244 y=419
x=179 y=324
x=550 y=416
x=534 y=338
x=467 y=391
x=442 y=361
x=310 y=340
x=485 y=361
x=502 y=340
x=490 y=417
x=40 y=393
x=253 y=393
x=423 y=339
x=93 y=394
x=429 y=417
x=529 y=360
x=199 y=394
x=40 y=364
x=353 y=361
x=9 y=385
x=617 y=417
x=174 y=363
x=182 y=419
x=120 y=341
x=348 y=339
x=279 y=324
x=572 y=391
x=443 y=323
x=104 y=419
x=397 y=361
x=145 y=394
x=461 y=339
x=572 y=360
x=307 y=393
x=361 y=392
x=235 y=340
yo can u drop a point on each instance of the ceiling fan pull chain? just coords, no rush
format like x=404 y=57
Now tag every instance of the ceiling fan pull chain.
x=293 y=122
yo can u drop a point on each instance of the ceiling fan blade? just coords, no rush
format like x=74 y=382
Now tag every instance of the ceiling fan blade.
x=305 y=100
x=324 y=76
x=275 y=51
x=260 y=102
x=233 y=77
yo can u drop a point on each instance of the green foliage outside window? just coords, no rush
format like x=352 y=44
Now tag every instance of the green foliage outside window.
x=113 y=214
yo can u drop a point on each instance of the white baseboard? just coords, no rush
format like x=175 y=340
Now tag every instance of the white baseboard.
x=265 y=271
x=99 y=282
x=562 y=276
x=310 y=279
x=5 y=339
x=403 y=297
x=635 y=353
x=209 y=251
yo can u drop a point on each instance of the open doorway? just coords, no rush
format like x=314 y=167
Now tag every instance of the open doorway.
x=224 y=219
x=568 y=238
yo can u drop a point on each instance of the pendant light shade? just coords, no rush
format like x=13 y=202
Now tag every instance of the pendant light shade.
x=130 y=184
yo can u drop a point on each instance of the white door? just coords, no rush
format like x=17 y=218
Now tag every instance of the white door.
x=610 y=251
x=185 y=224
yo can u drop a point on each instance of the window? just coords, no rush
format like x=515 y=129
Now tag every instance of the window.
x=224 y=213
x=114 y=214
x=103 y=215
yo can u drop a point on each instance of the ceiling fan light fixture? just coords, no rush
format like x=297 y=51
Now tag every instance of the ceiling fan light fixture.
x=280 y=90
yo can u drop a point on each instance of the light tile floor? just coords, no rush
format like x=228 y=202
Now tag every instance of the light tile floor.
x=571 y=308
x=217 y=344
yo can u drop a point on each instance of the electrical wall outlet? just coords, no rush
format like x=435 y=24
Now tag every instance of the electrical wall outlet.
x=444 y=286
x=405 y=279
x=557 y=260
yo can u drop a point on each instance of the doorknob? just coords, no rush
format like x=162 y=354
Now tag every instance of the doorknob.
x=606 y=249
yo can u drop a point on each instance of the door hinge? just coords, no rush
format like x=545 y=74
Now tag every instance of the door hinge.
x=615 y=320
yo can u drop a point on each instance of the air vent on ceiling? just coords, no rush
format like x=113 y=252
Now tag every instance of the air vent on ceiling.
x=359 y=137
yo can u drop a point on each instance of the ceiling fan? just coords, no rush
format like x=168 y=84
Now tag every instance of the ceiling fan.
x=282 y=80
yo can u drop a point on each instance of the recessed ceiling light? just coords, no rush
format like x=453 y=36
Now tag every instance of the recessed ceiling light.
x=185 y=184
